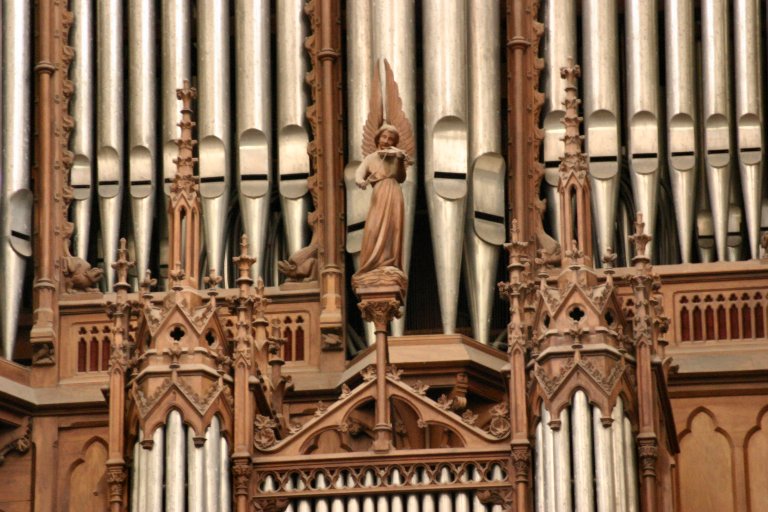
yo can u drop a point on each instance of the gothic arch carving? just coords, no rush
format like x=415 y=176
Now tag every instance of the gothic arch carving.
x=755 y=455
x=87 y=478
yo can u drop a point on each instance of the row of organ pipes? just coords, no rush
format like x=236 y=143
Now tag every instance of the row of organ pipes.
x=179 y=472
x=698 y=138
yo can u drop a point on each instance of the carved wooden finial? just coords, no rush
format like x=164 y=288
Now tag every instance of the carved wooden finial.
x=244 y=261
x=122 y=264
x=570 y=73
x=177 y=275
x=514 y=231
x=212 y=280
x=186 y=94
x=640 y=239
x=146 y=284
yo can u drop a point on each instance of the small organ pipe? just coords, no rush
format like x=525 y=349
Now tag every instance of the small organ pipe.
x=291 y=129
x=109 y=127
x=633 y=504
x=446 y=144
x=749 y=113
x=16 y=201
x=321 y=504
x=254 y=123
x=619 y=457
x=603 y=457
x=212 y=465
x=142 y=127
x=716 y=115
x=444 y=499
x=81 y=174
x=540 y=497
x=213 y=124
x=136 y=477
x=601 y=114
x=196 y=501
x=225 y=493
x=584 y=494
x=562 y=449
x=549 y=461
x=175 y=463
x=155 y=471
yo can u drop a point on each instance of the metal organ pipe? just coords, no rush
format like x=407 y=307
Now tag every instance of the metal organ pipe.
x=540 y=493
x=619 y=457
x=213 y=124
x=682 y=117
x=16 y=201
x=81 y=175
x=642 y=68
x=484 y=227
x=154 y=480
x=601 y=114
x=174 y=463
x=225 y=495
x=212 y=465
x=603 y=456
x=136 y=477
x=549 y=460
x=633 y=503
x=254 y=126
x=559 y=44
x=562 y=449
x=749 y=113
x=394 y=39
x=142 y=132
x=176 y=59
x=292 y=134
x=446 y=145
x=109 y=132
x=584 y=494
x=717 y=121
x=196 y=474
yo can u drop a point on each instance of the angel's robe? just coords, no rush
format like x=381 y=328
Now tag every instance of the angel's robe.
x=383 y=231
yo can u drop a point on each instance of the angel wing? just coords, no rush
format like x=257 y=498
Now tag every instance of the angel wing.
x=375 y=115
x=396 y=116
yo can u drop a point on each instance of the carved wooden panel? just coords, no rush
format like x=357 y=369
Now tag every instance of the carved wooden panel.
x=706 y=466
x=88 y=480
x=16 y=483
x=757 y=464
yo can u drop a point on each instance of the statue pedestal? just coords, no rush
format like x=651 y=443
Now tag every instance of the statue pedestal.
x=381 y=293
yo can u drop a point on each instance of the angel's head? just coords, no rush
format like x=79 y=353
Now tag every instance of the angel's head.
x=386 y=137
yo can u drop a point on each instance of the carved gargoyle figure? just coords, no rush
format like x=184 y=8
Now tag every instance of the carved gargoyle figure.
x=78 y=274
x=302 y=265
x=548 y=252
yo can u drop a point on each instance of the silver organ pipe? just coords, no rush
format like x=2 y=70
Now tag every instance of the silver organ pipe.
x=369 y=503
x=109 y=131
x=143 y=494
x=359 y=76
x=484 y=228
x=337 y=504
x=136 y=477
x=601 y=114
x=446 y=146
x=497 y=475
x=642 y=69
x=212 y=465
x=394 y=39
x=749 y=113
x=559 y=44
x=734 y=239
x=196 y=474
x=225 y=495
x=412 y=501
x=321 y=504
x=142 y=127
x=444 y=499
x=716 y=115
x=353 y=502
x=461 y=500
x=213 y=124
x=581 y=426
x=539 y=493
x=175 y=463
x=16 y=201
x=427 y=499
x=603 y=457
x=549 y=461
x=562 y=449
x=682 y=117
x=704 y=224
x=633 y=500
x=176 y=61
x=154 y=481
x=81 y=174
x=397 y=504
x=254 y=126
x=292 y=132
x=619 y=456
x=303 y=505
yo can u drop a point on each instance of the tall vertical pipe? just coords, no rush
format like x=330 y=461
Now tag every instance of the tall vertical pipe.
x=717 y=114
x=81 y=175
x=538 y=483
x=142 y=127
x=749 y=113
x=214 y=124
x=136 y=477
x=109 y=123
x=603 y=457
x=484 y=225
x=446 y=144
x=583 y=489
x=16 y=200
x=196 y=475
x=291 y=129
x=254 y=122
x=642 y=68
x=176 y=61
x=154 y=481
x=212 y=465
x=562 y=449
x=682 y=117
x=559 y=44
x=633 y=503
x=601 y=113
x=225 y=490
x=175 y=463
x=619 y=457
x=394 y=39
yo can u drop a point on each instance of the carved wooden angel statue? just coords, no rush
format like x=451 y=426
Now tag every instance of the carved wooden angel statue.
x=387 y=145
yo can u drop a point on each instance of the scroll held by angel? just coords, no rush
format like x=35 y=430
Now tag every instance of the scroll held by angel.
x=388 y=147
